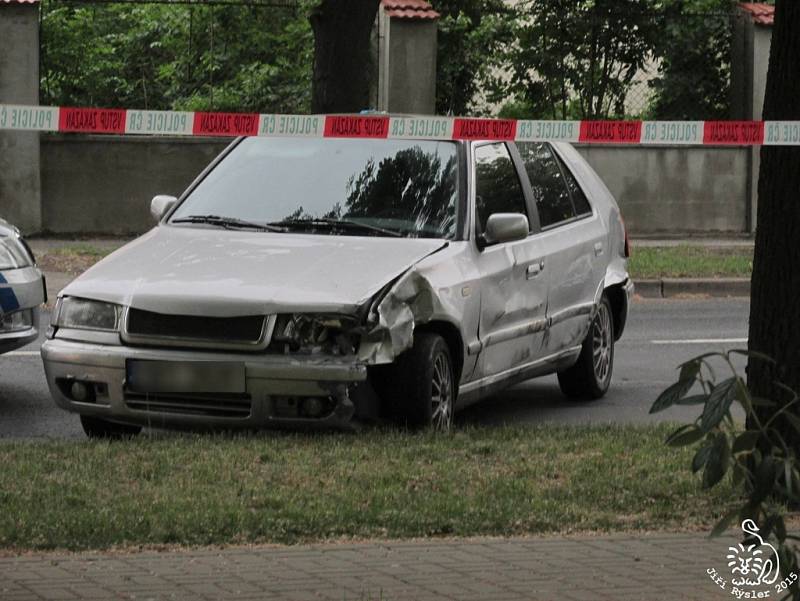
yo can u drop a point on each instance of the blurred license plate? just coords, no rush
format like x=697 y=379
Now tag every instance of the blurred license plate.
x=184 y=376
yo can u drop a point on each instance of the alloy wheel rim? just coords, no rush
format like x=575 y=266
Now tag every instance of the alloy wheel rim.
x=601 y=344
x=442 y=394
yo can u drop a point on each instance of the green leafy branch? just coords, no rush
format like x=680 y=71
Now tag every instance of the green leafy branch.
x=759 y=457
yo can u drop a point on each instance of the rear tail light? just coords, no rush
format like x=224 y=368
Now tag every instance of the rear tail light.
x=627 y=240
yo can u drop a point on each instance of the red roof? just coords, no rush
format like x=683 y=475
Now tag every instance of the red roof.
x=760 y=13
x=409 y=9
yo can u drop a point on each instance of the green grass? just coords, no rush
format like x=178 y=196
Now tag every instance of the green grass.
x=83 y=249
x=73 y=258
x=286 y=488
x=691 y=261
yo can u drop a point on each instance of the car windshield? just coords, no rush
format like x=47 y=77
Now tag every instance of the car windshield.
x=332 y=186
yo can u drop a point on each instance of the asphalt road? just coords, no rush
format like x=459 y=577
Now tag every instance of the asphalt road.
x=660 y=335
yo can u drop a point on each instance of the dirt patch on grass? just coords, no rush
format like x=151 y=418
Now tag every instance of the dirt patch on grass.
x=71 y=259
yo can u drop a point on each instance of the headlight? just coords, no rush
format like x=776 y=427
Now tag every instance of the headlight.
x=13 y=254
x=310 y=333
x=84 y=314
x=16 y=321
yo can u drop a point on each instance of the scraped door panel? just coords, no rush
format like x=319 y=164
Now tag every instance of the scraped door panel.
x=575 y=259
x=513 y=305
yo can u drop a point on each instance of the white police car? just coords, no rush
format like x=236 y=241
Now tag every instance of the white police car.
x=22 y=290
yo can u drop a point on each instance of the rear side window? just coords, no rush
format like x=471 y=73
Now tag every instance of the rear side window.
x=548 y=183
x=497 y=185
x=582 y=206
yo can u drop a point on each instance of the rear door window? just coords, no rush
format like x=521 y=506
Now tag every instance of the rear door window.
x=497 y=185
x=549 y=186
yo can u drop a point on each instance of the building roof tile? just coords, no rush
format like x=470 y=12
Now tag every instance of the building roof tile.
x=760 y=12
x=409 y=9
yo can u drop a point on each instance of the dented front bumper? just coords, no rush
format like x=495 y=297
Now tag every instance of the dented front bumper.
x=278 y=389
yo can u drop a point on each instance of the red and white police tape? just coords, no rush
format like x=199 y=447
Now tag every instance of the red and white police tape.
x=181 y=123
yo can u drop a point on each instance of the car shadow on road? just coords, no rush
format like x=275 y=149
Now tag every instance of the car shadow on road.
x=530 y=402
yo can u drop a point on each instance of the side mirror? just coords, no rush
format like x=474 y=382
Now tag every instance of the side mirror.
x=504 y=227
x=160 y=205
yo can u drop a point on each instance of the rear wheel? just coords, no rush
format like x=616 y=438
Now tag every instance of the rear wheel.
x=421 y=388
x=95 y=427
x=590 y=377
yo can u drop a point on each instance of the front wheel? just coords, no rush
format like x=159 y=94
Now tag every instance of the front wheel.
x=95 y=427
x=421 y=388
x=590 y=377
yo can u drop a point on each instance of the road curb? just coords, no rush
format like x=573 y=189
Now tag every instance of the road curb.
x=671 y=287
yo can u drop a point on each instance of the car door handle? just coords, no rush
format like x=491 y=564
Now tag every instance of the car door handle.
x=534 y=269
x=598 y=249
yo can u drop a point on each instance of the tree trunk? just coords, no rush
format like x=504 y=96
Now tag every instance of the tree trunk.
x=775 y=297
x=341 y=55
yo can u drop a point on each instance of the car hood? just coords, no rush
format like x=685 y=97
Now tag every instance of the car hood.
x=223 y=273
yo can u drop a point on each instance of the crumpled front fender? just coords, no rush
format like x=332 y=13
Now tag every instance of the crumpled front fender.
x=409 y=301
x=439 y=289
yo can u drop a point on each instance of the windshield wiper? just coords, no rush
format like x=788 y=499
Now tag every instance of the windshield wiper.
x=336 y=223
x=229 y=223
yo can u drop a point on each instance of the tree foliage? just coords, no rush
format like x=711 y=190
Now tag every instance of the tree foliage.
x=234 y=57
x=192 y=57
x=664 y=59
x=471 y=35
x=693 y=48
x=761 y=459
x=557 y=59
x=578 y=58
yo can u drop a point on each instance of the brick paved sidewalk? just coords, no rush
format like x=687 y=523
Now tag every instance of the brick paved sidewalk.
x=647 y=567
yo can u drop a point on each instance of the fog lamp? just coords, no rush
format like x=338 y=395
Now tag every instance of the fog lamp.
x=313 y=406
x=79 y=391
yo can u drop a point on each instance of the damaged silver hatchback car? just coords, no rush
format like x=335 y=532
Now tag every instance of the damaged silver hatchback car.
x=330 y=281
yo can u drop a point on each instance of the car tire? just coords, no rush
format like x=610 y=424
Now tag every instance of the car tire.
x=95 y=427
x=421 y=388
x=590 y=377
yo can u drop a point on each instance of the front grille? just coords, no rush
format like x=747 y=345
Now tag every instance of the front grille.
x=210 y=405
x=248 y=329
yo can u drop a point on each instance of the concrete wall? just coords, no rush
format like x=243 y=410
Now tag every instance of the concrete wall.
x=404 y=52
x=749 y=64
x=676 y=189
x=104 y=184
x=762 y=41
x=19 y=84
x=412 y=67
